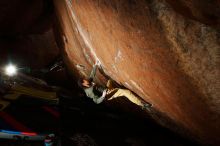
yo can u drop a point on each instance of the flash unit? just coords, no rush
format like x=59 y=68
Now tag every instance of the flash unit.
x=10 y=70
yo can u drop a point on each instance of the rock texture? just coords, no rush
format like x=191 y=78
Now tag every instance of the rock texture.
x=204 y=11
x=166 y=55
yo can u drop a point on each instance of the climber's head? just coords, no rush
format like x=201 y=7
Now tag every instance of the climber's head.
x=85 y=83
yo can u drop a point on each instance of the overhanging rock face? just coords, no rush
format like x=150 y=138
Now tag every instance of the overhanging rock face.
x=167 y=58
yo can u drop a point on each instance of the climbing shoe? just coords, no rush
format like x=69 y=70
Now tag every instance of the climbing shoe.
x=146 y=106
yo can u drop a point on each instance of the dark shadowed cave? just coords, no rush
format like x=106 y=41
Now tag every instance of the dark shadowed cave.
x=166 y=52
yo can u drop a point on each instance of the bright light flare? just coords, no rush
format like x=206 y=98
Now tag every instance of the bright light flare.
x=10 y=70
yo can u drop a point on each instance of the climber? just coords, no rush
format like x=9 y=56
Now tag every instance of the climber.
x=100 y=93
x=97 y=93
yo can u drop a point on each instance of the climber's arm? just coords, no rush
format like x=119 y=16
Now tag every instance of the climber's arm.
x=99 y=100
x=93 y=72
